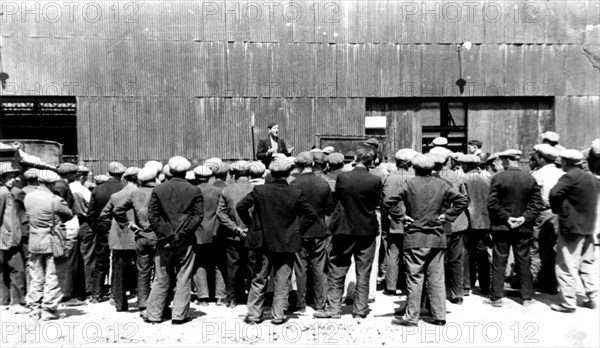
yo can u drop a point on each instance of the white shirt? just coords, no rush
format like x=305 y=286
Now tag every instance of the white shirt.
x=547 y=177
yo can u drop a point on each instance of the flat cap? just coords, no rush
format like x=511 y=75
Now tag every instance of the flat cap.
x=116 y=168
x=423 y=161
x=280 y=165
x=82 y=170
x=595 y=146
x=131 y=171
x=156 y=165
x=203 y=171
x=474 y=159
x=304 y=158
x=546 y=150
x=6 y=168
x=272 y=124
x=240 y=166
x=213 y=163
x=222 y=168
x=31 y=173
x=372 y=142
x=511 y=153
x=492 y=157
x=405 y=154
x=328 y=149
x=442 y=153
x=179 y=164
x=456 y=155
x=189 y=175
x=551 y=136
x=573 y=156
x=66 y=168
x=166 y=170
x=440 y=141
x=316 y=150
x=99 y=179
x=48 y=176
x=336 y=158
x=257 y=168
x=319 y=157
x=146 y=174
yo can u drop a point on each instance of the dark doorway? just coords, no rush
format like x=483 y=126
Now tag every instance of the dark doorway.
x=44 y=118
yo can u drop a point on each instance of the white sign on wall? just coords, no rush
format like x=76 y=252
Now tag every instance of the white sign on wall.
x=375 y=122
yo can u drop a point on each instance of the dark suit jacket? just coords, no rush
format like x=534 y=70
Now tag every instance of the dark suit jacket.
x=318 y=194
x=357 y=196
x=210 y=224
x=264 y=145
x=574 y=198
x=281 y=214
x=101 y=196
x=63 y=190
x=514 y=193
x=175 y=211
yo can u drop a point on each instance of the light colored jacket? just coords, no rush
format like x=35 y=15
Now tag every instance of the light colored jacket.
x=10 y=226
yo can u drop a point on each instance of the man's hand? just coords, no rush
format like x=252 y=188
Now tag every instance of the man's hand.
x=290 y=149
x=515 y=222
x=242 y=232
x=408 y=220
x=271 y=150
x=441 y=219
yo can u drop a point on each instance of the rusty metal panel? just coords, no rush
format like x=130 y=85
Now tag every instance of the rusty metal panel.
x=577 y=120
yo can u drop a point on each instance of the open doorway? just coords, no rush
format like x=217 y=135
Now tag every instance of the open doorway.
x=44 y=118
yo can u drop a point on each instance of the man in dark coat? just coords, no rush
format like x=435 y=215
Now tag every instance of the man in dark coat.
x=354 y=227
x=430 y=203
x=574 y=198
x=514 y=204
x=281 y=214
x=314 y=243
x=272 y=145
x=99 y=199
x=175 y=212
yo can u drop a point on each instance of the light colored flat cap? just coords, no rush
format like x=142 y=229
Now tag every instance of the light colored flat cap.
x=179 y=164
x=405 y=154
x=147 y=174
x=257 y=168
x=131 y=171
x=551 y=136
x=546 y=150
x=440 y=141
x=280 y=165
x=336 y=158
x=48 y=176
x=304 y=158
x=116 y=168
x=328 y=149
x=203 y=171
x=66 y=168
x=469 y=159
x=156 y=165
x=596 y=146
x=424 y=161
x=31 y=173
x=240 y=166
x=511 y=153
x=573 y=156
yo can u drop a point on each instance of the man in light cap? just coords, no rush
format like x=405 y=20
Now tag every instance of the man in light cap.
x=552 y=139
x=336 y=162
x=591 y=156
x=395 y=235
x=145 y=238
x=175 y=212
x=354 y=227
x=476 y=264
x=574 y=198
x=272 y=145
x=440 y=142
x=98 y=200
x=493 y=165
x=429 y=202
x=120 y=241
x=514 y=204
x=47 y=215
x=545 y=230
x=277 y=215
x=208 y=249
x=257 y=171
x=13 y=287
x=313 y=252
x=239 y=264
x=327 y=150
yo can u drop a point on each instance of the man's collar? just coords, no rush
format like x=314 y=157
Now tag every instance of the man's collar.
x=280 y=181
x=361 y=168
x=243 y=179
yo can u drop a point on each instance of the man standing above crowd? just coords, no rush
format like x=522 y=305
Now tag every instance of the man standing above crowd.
x=430 y=202
x=175 y=212
x=574 y=198
x=281 y=215
x=514 y=204
x=354 y=227
x=272 y=145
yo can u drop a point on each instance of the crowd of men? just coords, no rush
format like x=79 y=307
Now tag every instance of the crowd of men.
x=224 y=230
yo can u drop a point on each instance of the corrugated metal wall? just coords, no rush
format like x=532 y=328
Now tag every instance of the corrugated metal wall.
x=156 y=78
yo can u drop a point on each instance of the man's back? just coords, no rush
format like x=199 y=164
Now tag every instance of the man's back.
x=210 y=223
x=100 y=196
x=574 y=198
x=478 y=189
x=317 y=192
x=358 y=193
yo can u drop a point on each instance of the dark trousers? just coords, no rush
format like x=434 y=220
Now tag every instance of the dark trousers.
x=312 y=256
x=395 y=275
x=543 y=252
x=207 y=274
x=101 y=263
x=87 y=240
x=476 y=260
x=145 y=252
x=343 y=247
x=122 y=274
x=282 y=264
x=172 y=266
x=453 y=264
x=520 y=243
x=239 y=268
x=12 y=274
x=425 y=266
x=71 y=274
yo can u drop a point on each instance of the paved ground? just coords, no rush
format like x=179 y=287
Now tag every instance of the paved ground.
x=472 y=323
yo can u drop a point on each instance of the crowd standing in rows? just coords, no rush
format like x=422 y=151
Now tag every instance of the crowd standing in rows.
x=224 y=230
